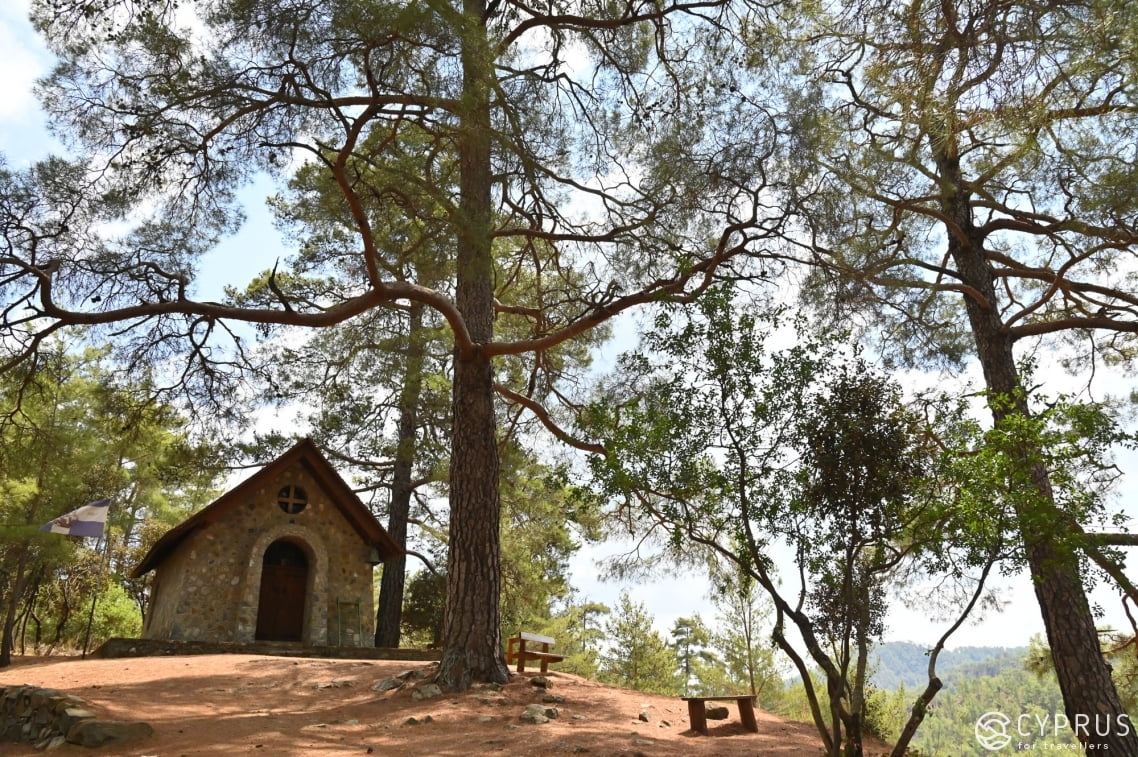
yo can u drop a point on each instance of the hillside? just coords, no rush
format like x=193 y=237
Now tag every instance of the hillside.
x=895 y=664
x=304 y=707
x=977 y=681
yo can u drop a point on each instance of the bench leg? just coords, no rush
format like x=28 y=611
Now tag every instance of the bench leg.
x=747 y=714
x=522 y=657
x=544 y=667
x=698 y=716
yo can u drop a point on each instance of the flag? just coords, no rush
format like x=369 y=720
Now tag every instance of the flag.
x=85 y=521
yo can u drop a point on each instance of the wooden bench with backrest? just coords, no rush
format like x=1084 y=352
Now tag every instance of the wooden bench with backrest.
x=697 y=711
x=524 y=647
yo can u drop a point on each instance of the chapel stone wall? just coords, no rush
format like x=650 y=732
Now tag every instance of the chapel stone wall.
x=208 y=588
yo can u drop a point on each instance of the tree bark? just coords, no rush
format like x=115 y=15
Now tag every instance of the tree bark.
x=19 y=581
x=472 y=635
x=389 y=613
x=1089 y=694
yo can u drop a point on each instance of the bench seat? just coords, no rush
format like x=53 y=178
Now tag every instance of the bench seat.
x=697 y=711
x=517 y=653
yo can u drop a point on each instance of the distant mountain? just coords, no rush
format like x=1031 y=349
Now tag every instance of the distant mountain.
x=898 y=663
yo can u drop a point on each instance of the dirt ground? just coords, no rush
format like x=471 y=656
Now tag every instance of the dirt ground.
x=256 y=705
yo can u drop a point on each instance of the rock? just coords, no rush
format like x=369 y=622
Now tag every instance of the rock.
x=71 y=717
x=427 y=691
x=93 y=733
x=553 y=699
x=490 y=686
x=77 y=713
x=406 y=675
x=494 y=700
x=716 y=713
x=387 y=684
x=538 y=713
x=643 y=716
x=336 y=683
x=537 y=717
x=539 y=681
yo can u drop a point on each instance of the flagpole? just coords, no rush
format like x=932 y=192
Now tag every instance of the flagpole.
x=86 y=521
x=104 y=539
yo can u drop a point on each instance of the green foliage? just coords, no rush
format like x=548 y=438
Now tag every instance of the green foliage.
x=719 y=445
x=950 y=726
x=971 y=690
x=898 y=664
x=1120 y=650
x=423 y=606
x=1076 y=441
x=743 y=619
x=440 y=154
x=886 y=712
x=700 y=669
x=635 y=655
x=577 y=627
x=537 y=539
x=972 y=197
x=72 y=434
x=116 y=615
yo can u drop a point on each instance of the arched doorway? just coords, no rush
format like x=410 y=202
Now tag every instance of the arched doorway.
x=284 y=584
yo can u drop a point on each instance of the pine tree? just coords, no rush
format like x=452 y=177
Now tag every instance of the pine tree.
x=636 y=655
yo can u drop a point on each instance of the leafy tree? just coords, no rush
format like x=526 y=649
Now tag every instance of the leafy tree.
x=538 y=538
x=1117 y=648
x=742 y=638
x=422 y=613
x=691 y=641
x=536 y=545
x=965 y=176
x=636 y=655
x=586 y=140
x=70 y=435
x=725 y=449
x=579 y=634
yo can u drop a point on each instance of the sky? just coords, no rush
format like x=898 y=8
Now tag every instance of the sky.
x=24 y=138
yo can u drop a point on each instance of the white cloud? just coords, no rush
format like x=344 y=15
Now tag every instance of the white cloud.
x=25 y=60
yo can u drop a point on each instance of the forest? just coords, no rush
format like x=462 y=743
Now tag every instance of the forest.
x=831 y=304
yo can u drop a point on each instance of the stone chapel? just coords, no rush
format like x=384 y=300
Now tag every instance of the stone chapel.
x=286 y=555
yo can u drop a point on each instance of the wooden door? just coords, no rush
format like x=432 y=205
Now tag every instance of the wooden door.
x=284 y=584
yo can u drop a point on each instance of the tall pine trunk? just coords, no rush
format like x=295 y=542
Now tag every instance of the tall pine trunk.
x=472 y=636
x=17 y=585
x=389 y=613
x=1089 y=693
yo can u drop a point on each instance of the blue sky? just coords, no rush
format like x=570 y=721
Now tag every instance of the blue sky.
x=24 y=138
x=23 y=133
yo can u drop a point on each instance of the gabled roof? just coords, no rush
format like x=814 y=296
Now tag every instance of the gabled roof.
x=307 y=455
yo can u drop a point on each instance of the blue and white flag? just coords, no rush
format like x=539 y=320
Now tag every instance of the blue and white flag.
x=85 y=521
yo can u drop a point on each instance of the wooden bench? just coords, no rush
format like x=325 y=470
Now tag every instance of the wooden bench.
x=517 y=651
x=697 y=711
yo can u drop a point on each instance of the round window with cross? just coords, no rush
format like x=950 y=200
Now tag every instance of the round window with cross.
x=292 y=499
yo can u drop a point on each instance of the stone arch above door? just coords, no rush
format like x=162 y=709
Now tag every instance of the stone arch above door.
x=316 y=606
